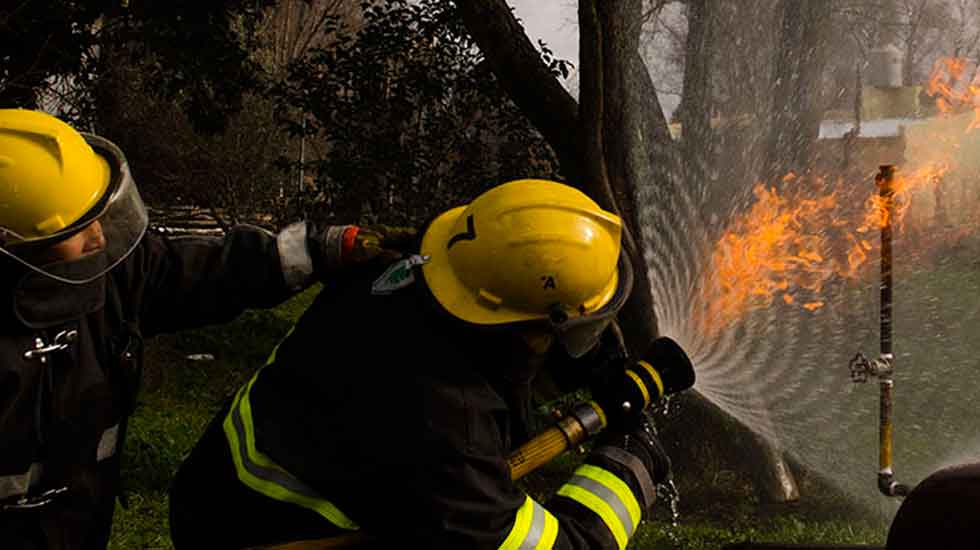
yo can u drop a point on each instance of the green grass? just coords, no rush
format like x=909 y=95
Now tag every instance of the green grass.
x=180 y=396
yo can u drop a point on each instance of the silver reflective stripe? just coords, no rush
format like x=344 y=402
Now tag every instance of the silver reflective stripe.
x=107 y=444
x=537 y=527
x=609 y=497
x=18 y=484
x=294 y=256
x=271 y=475
x=333 y=245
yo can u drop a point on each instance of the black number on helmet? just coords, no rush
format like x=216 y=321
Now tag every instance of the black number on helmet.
x=468 y=235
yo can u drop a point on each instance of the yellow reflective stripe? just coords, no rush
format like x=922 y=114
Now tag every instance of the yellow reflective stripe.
x=522 y=524
x=643 y=387
x=655 y=375
x=534 y=528
x=550 y=533
x=257 y=471
x=617 y=486
x=275 y=350
x=600 y=507
x=608 y=497
x=277 y=491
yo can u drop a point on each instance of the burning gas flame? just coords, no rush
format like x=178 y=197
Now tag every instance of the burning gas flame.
x=791 y=243
x=952 y=90
x=804 y=233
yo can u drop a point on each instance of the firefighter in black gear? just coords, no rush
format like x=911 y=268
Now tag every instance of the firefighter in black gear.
x=86 y=285
x=386 y=416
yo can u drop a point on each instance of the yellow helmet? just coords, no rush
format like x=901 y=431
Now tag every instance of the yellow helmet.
x=49 y=176
x=55 y=181
x=529 y=250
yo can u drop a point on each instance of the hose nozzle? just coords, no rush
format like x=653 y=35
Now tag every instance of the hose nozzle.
x=663 y=370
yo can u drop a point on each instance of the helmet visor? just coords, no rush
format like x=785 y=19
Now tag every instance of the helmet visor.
x=578 y=335
x=123 y=220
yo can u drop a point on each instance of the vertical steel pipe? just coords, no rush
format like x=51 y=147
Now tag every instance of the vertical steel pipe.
x=886 y=474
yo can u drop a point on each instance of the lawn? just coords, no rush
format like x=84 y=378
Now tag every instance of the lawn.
x=181 y=394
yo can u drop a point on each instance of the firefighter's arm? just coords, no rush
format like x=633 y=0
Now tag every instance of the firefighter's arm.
x=188 y=282
x=615 y=488
x=472 y=503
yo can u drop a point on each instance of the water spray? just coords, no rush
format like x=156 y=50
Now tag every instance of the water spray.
x=883 y=367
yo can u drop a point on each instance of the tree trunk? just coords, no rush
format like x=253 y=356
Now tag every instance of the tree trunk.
x=631 y=115
x=694 y=112
x=529 y=83
x=796 y=110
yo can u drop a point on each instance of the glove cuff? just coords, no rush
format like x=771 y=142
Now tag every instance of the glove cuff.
x=334 y=243
x=295 y=255
x=641 y=474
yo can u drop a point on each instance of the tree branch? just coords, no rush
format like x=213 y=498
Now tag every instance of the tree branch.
x=527 y=80
x=591 y=107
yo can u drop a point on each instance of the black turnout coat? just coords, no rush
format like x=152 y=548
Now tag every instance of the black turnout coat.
x=70 y=364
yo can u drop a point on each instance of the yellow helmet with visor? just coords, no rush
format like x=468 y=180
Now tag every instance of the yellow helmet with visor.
x=56 y=181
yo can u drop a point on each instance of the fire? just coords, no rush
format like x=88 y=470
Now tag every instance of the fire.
x=904 y=186
x=805 y=232
x=953 y=92
x=776 y=249
x=791 y=243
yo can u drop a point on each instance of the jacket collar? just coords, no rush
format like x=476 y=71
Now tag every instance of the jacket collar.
x=41 y=302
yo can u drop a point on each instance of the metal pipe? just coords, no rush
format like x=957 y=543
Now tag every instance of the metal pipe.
x=886 y=474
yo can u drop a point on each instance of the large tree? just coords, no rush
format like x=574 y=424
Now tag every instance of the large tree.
x=611 y=142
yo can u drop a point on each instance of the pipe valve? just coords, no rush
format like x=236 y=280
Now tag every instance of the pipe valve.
x=862 y=368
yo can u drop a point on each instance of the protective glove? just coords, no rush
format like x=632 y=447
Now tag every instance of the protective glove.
x=635 y=454
x=338 y=246
x=383 y=242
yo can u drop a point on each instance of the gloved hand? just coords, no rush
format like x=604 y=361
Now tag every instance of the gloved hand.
x=636 y=452
x=384 y=242
x=338 y=246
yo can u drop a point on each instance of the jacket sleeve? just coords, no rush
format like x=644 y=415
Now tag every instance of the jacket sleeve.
x=473 y=503
x=599 y=507
x=188 y=282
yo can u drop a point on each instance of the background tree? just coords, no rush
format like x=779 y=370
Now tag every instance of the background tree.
x=77 y=42
x=412 y=121
x=797 y=107
x=290 y=29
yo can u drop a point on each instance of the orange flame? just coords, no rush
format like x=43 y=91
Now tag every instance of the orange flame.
x=775 y=249
x=953 y=94
x=791 y=245
x=809 y=233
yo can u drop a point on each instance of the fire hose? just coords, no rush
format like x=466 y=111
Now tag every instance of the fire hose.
x=663 y=370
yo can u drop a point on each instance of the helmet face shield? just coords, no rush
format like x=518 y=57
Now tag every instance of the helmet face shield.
x=123 y=219
x=578 y=335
